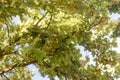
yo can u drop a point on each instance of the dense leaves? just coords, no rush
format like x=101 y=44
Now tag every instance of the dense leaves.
x=115 y=8
x=46 y=33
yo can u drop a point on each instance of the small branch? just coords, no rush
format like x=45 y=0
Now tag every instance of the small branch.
x=41 y=19
x=8 y=32
x=3 y=53
x=98 y=22
x=6 y=77
x=17 y=65
x=49 y=22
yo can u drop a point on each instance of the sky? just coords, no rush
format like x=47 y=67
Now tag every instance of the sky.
x=115 y=16
x=36 y=75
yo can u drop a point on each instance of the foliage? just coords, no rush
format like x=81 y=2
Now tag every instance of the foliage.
x=115 y=8
x=46 y=32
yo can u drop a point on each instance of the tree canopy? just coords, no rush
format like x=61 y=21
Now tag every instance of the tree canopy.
x=47 y=33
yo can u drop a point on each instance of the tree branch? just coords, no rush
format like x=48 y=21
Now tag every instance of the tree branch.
x=98 y=22
x=49 y=22
x=3 y=53
x=8 y=32
x=17 y=65
x=41 y=19
x=6 y=77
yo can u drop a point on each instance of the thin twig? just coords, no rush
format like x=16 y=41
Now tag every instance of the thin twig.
x=17 y=65
x=8 y=32
x=49 y=22
x=6 y=77
x=41 y=18
x=98 y=22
